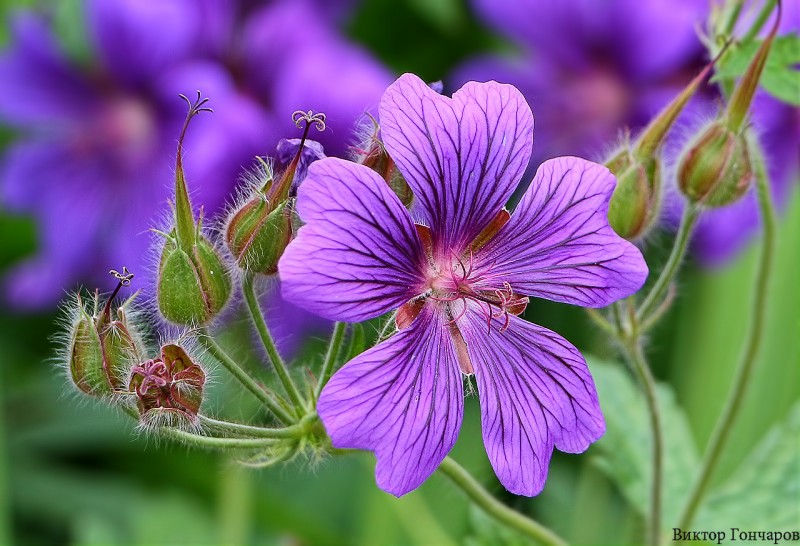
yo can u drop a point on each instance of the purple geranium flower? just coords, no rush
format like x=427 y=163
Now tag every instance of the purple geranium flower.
x=460 y=269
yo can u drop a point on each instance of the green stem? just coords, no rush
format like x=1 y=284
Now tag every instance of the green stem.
x=633 y=350
x=211 y=442
x=601 y=321
x=235 y=370
x=269 y=344
x=761 y=19
x=387 y=325
x=752 y=345
x=496 y=509
x=5 y=489
x=334 y=347
x=238 y=429
x=733 y=17
x=656 y=294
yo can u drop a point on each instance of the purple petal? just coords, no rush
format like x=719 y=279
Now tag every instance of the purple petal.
x=536 y=392
x=358 y=256
x=139 y=39
x=558 y=244
x=402 y=399
x=462 y=157
x=286 y=150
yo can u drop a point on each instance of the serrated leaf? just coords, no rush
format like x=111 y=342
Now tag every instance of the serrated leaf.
x=764 y=492
x=624 y=452
x=780 y=78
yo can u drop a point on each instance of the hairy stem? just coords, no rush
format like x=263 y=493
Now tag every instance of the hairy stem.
x=217 y=352
x=238 y=429
x=334 y=348
x=211 y=442
x=257 y=317
x=733 y=404
x=499 y=511
x=637 y=360
x=662 y=284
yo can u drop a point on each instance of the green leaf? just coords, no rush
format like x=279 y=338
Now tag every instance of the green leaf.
x=780 y=78
x=624 y=452
x=764 y=492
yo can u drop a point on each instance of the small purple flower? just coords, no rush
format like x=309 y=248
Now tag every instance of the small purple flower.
x=460 y=269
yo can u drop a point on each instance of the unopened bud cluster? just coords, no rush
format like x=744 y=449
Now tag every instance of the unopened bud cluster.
x=106 y=358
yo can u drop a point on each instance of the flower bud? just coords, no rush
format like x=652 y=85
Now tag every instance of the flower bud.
x=193 y=282
x=102 y=351
x=309 y=150
x=636 y=200
x=373 y=154
x=257 y=235
x=258 y=231
x=193 y=286
x=716 y=169
x=169 y=389
x=86 y=356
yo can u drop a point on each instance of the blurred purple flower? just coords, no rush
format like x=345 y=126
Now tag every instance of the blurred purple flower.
x=95 y=156
x=589 y=70
x=460 y=277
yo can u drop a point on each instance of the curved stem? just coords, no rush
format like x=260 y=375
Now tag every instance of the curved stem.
x=294 y=431
x=212 y=442
x=752 y=345
x=502 y=513
x=601 y=321
x=269 y=344
x=334 y=347
x=217 y=352
x=654 y=297
x=633 y=350
x=386 y=327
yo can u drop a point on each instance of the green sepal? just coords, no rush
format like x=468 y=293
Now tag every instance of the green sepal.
x=636 y=201
x=257 y=235
x=86 y=357
x=193 y=286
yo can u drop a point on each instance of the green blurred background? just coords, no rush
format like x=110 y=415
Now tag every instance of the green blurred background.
x=77 y=472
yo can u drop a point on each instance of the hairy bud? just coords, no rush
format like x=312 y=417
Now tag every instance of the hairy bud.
x=634 y=206
x=716 y=169
x=193 y=282
x=102 y=349
x=193 y=286
x=169 y=389
x=259 y=230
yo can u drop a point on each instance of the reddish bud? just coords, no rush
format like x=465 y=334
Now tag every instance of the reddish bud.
x=169 y=389
x=716 y=169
